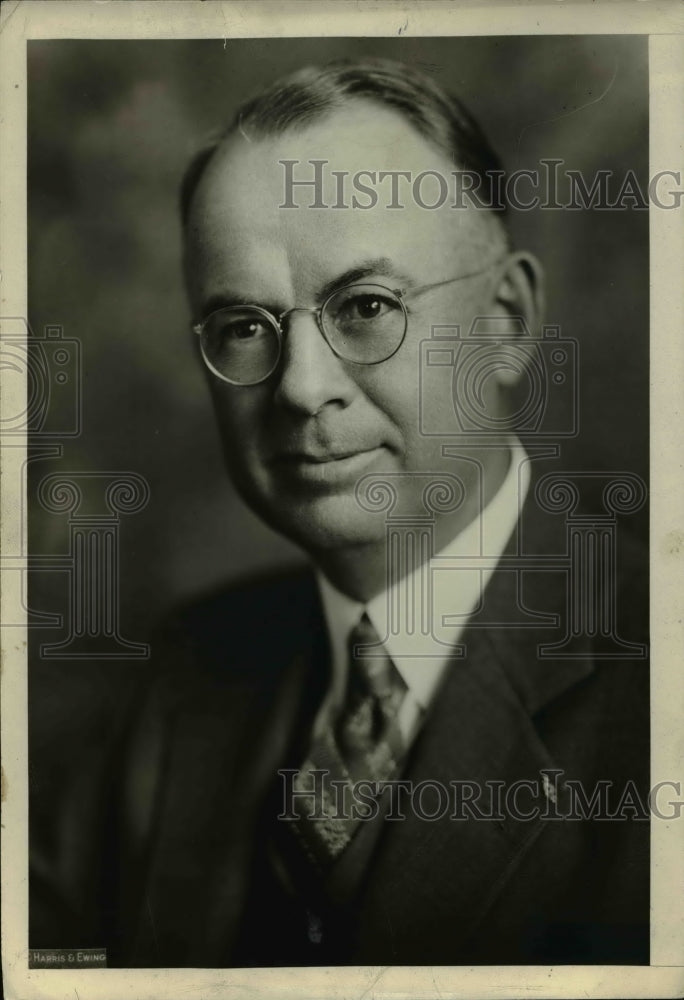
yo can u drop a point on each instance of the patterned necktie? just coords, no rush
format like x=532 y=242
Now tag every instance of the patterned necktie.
x=363 y=744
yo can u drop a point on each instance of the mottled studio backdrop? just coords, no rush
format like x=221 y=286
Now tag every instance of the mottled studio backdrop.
x=111 y=126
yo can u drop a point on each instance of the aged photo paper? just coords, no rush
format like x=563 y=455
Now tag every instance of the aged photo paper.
x=342 y=551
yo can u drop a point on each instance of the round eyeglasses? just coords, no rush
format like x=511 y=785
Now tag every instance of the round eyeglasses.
x=362 y=323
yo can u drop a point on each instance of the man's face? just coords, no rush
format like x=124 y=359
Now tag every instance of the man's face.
x=297 y=444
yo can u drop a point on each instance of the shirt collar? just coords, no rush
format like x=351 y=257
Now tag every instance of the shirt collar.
x=487 y=534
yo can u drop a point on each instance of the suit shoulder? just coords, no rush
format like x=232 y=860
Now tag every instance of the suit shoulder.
x=246 y=624
x=247 y=599
x=632 y=587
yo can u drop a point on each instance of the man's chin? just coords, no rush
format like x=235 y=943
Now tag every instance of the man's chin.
x=324 y=523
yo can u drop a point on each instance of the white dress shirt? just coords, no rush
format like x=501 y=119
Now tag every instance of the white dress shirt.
x=457 y=585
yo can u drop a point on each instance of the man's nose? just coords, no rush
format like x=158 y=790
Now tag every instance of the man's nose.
x=311 y=375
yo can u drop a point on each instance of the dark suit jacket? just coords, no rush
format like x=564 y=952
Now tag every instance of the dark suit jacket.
x=184 y=825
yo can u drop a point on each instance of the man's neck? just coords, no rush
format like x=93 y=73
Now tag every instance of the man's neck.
x=360 y=571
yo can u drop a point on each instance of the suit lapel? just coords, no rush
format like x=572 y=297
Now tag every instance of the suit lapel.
x=226 y=738
x=228 y=741
x=480 y=729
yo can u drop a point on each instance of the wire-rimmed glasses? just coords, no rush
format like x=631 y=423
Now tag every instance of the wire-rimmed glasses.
x=363 y=323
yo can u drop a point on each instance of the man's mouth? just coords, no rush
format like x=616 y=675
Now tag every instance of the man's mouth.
x=327 y=467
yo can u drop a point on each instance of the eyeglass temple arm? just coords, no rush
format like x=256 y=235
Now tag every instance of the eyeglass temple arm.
x=448 y=281
x=197 y=327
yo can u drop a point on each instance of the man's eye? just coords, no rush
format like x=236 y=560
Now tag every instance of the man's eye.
x=244 y=330
x=365 y=307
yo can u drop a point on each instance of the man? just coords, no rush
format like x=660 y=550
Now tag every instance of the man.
x=262 y=817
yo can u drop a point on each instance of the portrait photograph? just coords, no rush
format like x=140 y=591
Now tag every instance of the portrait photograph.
x=339 y=461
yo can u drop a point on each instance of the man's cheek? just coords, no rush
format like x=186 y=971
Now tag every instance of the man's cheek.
x=236 y=421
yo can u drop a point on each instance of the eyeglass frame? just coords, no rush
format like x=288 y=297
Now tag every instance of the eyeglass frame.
x=399 y=293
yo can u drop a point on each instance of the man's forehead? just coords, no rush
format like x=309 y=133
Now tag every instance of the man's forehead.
x=361 y=136
x=239 y=227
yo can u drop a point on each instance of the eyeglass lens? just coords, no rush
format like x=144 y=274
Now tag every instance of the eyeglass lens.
x=362 y=323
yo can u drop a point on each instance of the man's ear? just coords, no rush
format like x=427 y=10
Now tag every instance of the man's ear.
x=519 y=294
x=520 y=289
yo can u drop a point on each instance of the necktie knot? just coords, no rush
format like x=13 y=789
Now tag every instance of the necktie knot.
x=370 y=664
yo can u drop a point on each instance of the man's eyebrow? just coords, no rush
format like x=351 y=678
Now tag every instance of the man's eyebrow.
x=382 y=267
x=223 y=300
